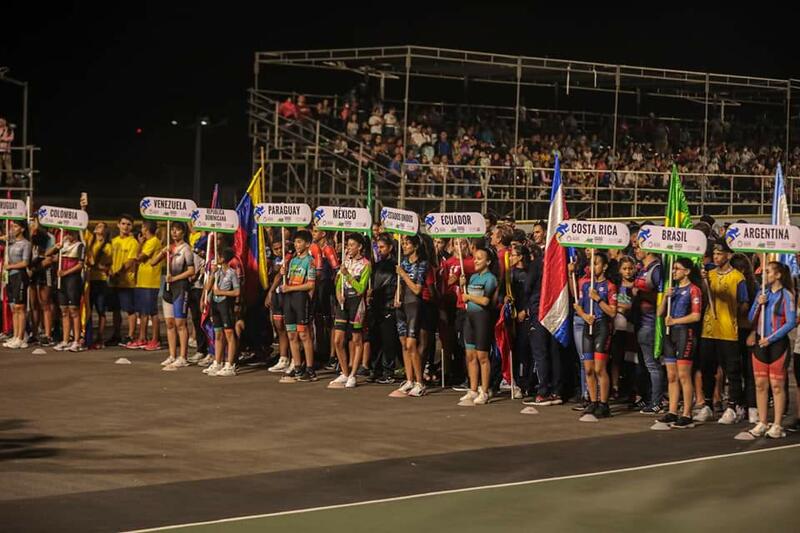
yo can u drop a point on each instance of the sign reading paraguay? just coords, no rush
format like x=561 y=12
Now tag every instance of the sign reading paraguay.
x=221 y=220
x=676 y=241
x=399 y=221
x=455 y=225
x=588 y=234
x=62 y=218
x=331 y=218
x=153 y=208
x=292 y=215
x=763 y=238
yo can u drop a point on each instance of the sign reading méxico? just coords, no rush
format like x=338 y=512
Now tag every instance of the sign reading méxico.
x=331 y=218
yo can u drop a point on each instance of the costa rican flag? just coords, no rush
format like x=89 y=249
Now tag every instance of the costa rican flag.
x=780 y=217
x=554 y=301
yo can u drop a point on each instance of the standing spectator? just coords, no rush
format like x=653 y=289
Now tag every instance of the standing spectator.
x=442 y=146
x=390 y=123
x=145 y=294
x=375 y=122
x=6 y=138
x=288 y=109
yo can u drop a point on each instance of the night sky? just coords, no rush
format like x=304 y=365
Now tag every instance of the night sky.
x=99 y=72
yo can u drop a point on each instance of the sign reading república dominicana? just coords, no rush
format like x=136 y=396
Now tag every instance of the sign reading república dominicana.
x=589 y=234
x=154 y=208
x=399 y=221
x=331 y=218
x=676 y=241
x=284 y=215
x=454 y=225
x=763 y=238
x=218 y=220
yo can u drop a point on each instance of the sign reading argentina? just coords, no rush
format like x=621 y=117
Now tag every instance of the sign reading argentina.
x=399 y=221
x=763 y=238
x=218 y=220
x=589 y=234
x=62 y=218
x=13 y=210
x=675 y=241
x=153 y=208
x=331 y=218
x=454 y=225
x=286 y=215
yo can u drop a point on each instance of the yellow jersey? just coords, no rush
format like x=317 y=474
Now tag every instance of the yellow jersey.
x=149 y=277
x=123 y=249
x=727 y=292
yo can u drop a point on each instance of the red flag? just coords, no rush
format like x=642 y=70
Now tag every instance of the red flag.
x=503 y=341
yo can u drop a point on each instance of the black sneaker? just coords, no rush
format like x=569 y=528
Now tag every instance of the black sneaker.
x=652 y=410
x=45 y=341
x=113 y=341
x=602 y=411
x=581 y=406
x=637 y=405
x=683 y=422
x=291 y=376
x=464 y=387
x=307 y=375
x=793 y=428
x=124 y=341
x=591 y=408
x=385 y=380
x=669 y=418
x=363 y=372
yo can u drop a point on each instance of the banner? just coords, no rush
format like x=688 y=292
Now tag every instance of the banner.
x=399 y=221
x=763 y=238
x=284 y=215
x=62 y=218
x=455 y=225
x=153 y=208
x=13 y=210
x=331 y=218
x=676 y=241
x=588 y=234
x=219 y=220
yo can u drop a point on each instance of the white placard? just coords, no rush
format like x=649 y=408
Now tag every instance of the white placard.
x=590 y=234
x=13 y=210
x=62 y=218
x=448 y=225
x=220 y=220
x=399 y=221
x=154 y=208
x=284 y=215
x=675 y=241
x=331 y=218
x=763 y=238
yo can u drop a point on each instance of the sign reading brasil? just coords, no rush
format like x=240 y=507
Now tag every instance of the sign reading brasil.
x=763 y=238
x=588 y=234
x=455 y=225
x=331 y=218
x=13 y=210
x=153 y=208
x=676 y=241
x=62 y=218
x=399 y=221
x=294 y=215
x=219 y=220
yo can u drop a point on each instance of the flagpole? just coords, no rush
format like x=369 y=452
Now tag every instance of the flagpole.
x=283 y=251
x=340 y=270
x=60 y=249
x=591 y=288
x=399 y=256
x=669 y=273
x=169 y=270
x=761 y=320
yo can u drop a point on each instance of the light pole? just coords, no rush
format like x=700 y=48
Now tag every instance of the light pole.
x=198 y=125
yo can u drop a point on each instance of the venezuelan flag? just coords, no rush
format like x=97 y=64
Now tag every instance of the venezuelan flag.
x=249 y=245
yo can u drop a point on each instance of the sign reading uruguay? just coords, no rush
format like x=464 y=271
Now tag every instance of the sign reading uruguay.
x=294 y=215
x=763 y=238
x=153 y=208
x=62 y=218
x=219 y=220
x=331 y=218
x=676 y=241
x=13 y=210
x=399 y=221
x=455 y=225
x=588 y=234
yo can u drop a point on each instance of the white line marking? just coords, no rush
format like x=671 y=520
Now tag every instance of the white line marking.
x=468 y=489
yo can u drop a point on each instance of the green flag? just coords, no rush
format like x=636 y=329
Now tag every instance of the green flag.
x=369 y=196
x=677 y=216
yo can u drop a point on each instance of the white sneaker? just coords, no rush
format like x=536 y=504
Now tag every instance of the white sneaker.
x=704 y=415
x=482 y=399
x=505 y=385
x=213 y=367
x=196 y=357
x=775 y=432
x=752 y=415
x=75 y=347
x=340 y=381
x=226 y=371
x=351 y=382
x=61 y=346
x=418 y=390
x=192 y=343
x=729 y=417
x=280 y=366
x=14 y=343
x=759 y=431
x=470 y=395
x=205 y=361
x=22 y=344
x=168 y=361
x=180 y=362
